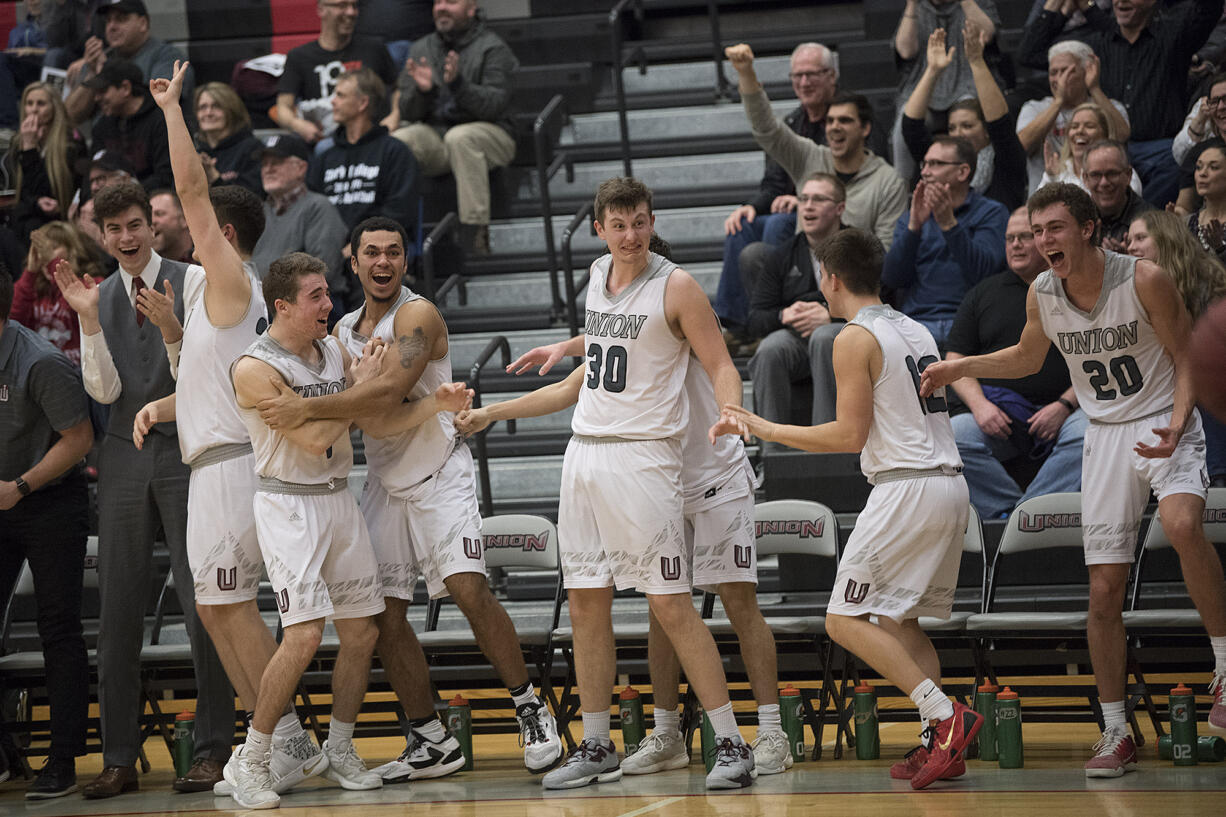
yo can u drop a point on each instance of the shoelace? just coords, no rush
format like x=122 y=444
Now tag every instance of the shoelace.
x=530 y=722
x=727 y=752
x=1109 y=742
x=1218 y=684
x=928 y=737
x=586 y=750
x=657 y=743
x=415 y=742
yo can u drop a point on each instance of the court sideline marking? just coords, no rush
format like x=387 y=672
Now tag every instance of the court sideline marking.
x=659 y=804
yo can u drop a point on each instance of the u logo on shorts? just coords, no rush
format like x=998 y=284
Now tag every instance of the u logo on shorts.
x=670 y=568
x=227 y=579
x=472 y=548
x=741 y=556
x=283 y=601
x=855 y=592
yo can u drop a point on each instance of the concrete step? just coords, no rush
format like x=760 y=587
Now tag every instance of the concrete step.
x=525 y=477
x=680 y=225
x=742 y=169
x=698 y=76
x=690 y=122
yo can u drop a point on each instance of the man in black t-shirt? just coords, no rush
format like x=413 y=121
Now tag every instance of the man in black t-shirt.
x=304 y=94
x=1005 y=420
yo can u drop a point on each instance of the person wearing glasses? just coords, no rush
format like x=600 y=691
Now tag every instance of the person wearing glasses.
x=770 y=217
x=788 y=310
x=1106 y=174
x=1204 y=127
x=950 y=238
x=312 y=70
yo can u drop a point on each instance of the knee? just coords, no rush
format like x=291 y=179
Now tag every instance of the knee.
x=1107 y=596
x=752 y=259
x=740 y=603
x=589 y=604
x=671 y=609
x=470 y=591
x=1185 y=531
x=821 y=341
x=301 y=641
x=771 y=351
x=836 y=627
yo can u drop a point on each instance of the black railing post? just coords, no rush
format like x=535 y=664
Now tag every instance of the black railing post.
x=572 y=291
x=546 y=168
x=723 y=88
x=447 y=225
x=615 y=33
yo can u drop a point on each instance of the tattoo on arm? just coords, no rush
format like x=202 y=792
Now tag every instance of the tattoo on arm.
x=411 y=347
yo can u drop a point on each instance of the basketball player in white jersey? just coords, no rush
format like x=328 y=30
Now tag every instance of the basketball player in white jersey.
x=718 y=510
x=620 y=517
x=1123 y=330
x=420 y=505
x=901 y=561
x=223 y=314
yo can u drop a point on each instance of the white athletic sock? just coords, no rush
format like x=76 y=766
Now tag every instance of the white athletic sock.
x=1219 y=654
x=258 y=743
x=525 y=694
x=666 y=720
x=340 y=734
x=287 y=727
x=596 y=726
x=1113 y=716
x=769 y=719
x=932 y=702
x=432 y=730
x=723 y=721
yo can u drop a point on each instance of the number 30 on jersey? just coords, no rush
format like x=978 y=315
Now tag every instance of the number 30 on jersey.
x=606 y=367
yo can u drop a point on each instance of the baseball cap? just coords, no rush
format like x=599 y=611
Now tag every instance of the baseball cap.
x=114 y=73
x=107 y=160
x=129 y=6
x=284 y=145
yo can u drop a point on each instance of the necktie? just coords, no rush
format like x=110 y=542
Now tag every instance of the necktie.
x=137 y=285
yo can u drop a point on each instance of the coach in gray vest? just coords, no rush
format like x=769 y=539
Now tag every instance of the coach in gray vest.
x=139 y=492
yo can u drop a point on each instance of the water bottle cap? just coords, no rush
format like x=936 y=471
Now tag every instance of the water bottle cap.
x=185 y=716
x=989 y=688
x=459 y=700
x=629 y=693
x=1181 y=690
x=790 y=691
x=863 y=688
x=1007 y=694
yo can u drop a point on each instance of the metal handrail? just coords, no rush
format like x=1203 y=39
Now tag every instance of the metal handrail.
x=723 y=88
x=498 y=343
x=447 y=225
x=615 y=33
x=546 y=171
x=573 y=290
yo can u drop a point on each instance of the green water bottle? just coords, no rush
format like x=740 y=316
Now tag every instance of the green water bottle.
x=633 y=729
x=1009 y=729
x=1183 y=726
x=868 y=743
x=1209 y=748
x=184 y=743
x=460 y=725
x=792 y=720
x=985 y=704
x=708 y=742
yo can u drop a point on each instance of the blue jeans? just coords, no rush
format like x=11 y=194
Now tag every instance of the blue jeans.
x=1215 y=444
x=939 y=328
x=1156 y=167
x=993 y=492
x=731 y=299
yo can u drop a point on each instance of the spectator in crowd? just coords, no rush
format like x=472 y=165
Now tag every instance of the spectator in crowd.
x=105 y=169
x=1073 y=72
x=1205 y=127
x=920 y=18
x=44 y=520
x=1200 y=278
x=1001 y=163
x=171 y=238
x=127 y=38
x=312 y=71
x=43 y=160
x=950 y=239
x=771 y=216
x=21 y=63
x=230 y=151
x=1087 y=126
x=125 y=366
x=875 y=193
x=1208 y=224
x=366 y=172
x=296 y=219
x=455 y=93
x=399 y=23
x=1010 y=421
x=789 y=311
x=38 y=303
x=130 y=124
x=1146 y=52
x=1105 y=174
x=68 y=25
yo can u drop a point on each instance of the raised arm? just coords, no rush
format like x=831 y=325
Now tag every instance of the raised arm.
x=255 y=380
x=939 y=58
x=906 y=37
x=991 y=100
x=791 y=150
x=227 y=290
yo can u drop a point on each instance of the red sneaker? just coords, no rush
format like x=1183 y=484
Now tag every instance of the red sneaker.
x=952 y=735
x=914 y=760
x=1217 y=715
x=1114 y=754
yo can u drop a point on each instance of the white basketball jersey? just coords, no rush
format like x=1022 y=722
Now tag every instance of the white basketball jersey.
x=908 y=431
x=704 y=465
x=206 y=411
x=277 y=457
x=635 y=364
x=1119 y=368
x=403 y=461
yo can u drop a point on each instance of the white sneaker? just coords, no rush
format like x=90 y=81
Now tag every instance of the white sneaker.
x=538 y=734
x=592 y=761
x=661 y=751
x=223 y=787
x=251 y=786
x=734 y=765
x=771 y=752
x=293 y=761
x=423 y=759
x=346 y=768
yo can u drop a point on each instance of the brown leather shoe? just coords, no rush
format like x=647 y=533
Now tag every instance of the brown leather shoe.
x=201 y=776
x=112 y=781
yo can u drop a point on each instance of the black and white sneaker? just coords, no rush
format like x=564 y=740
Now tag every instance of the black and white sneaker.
x=423 y=759
x=538 y=734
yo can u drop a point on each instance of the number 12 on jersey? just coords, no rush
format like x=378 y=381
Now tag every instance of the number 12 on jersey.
x=932 y=404
x=606 y=367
